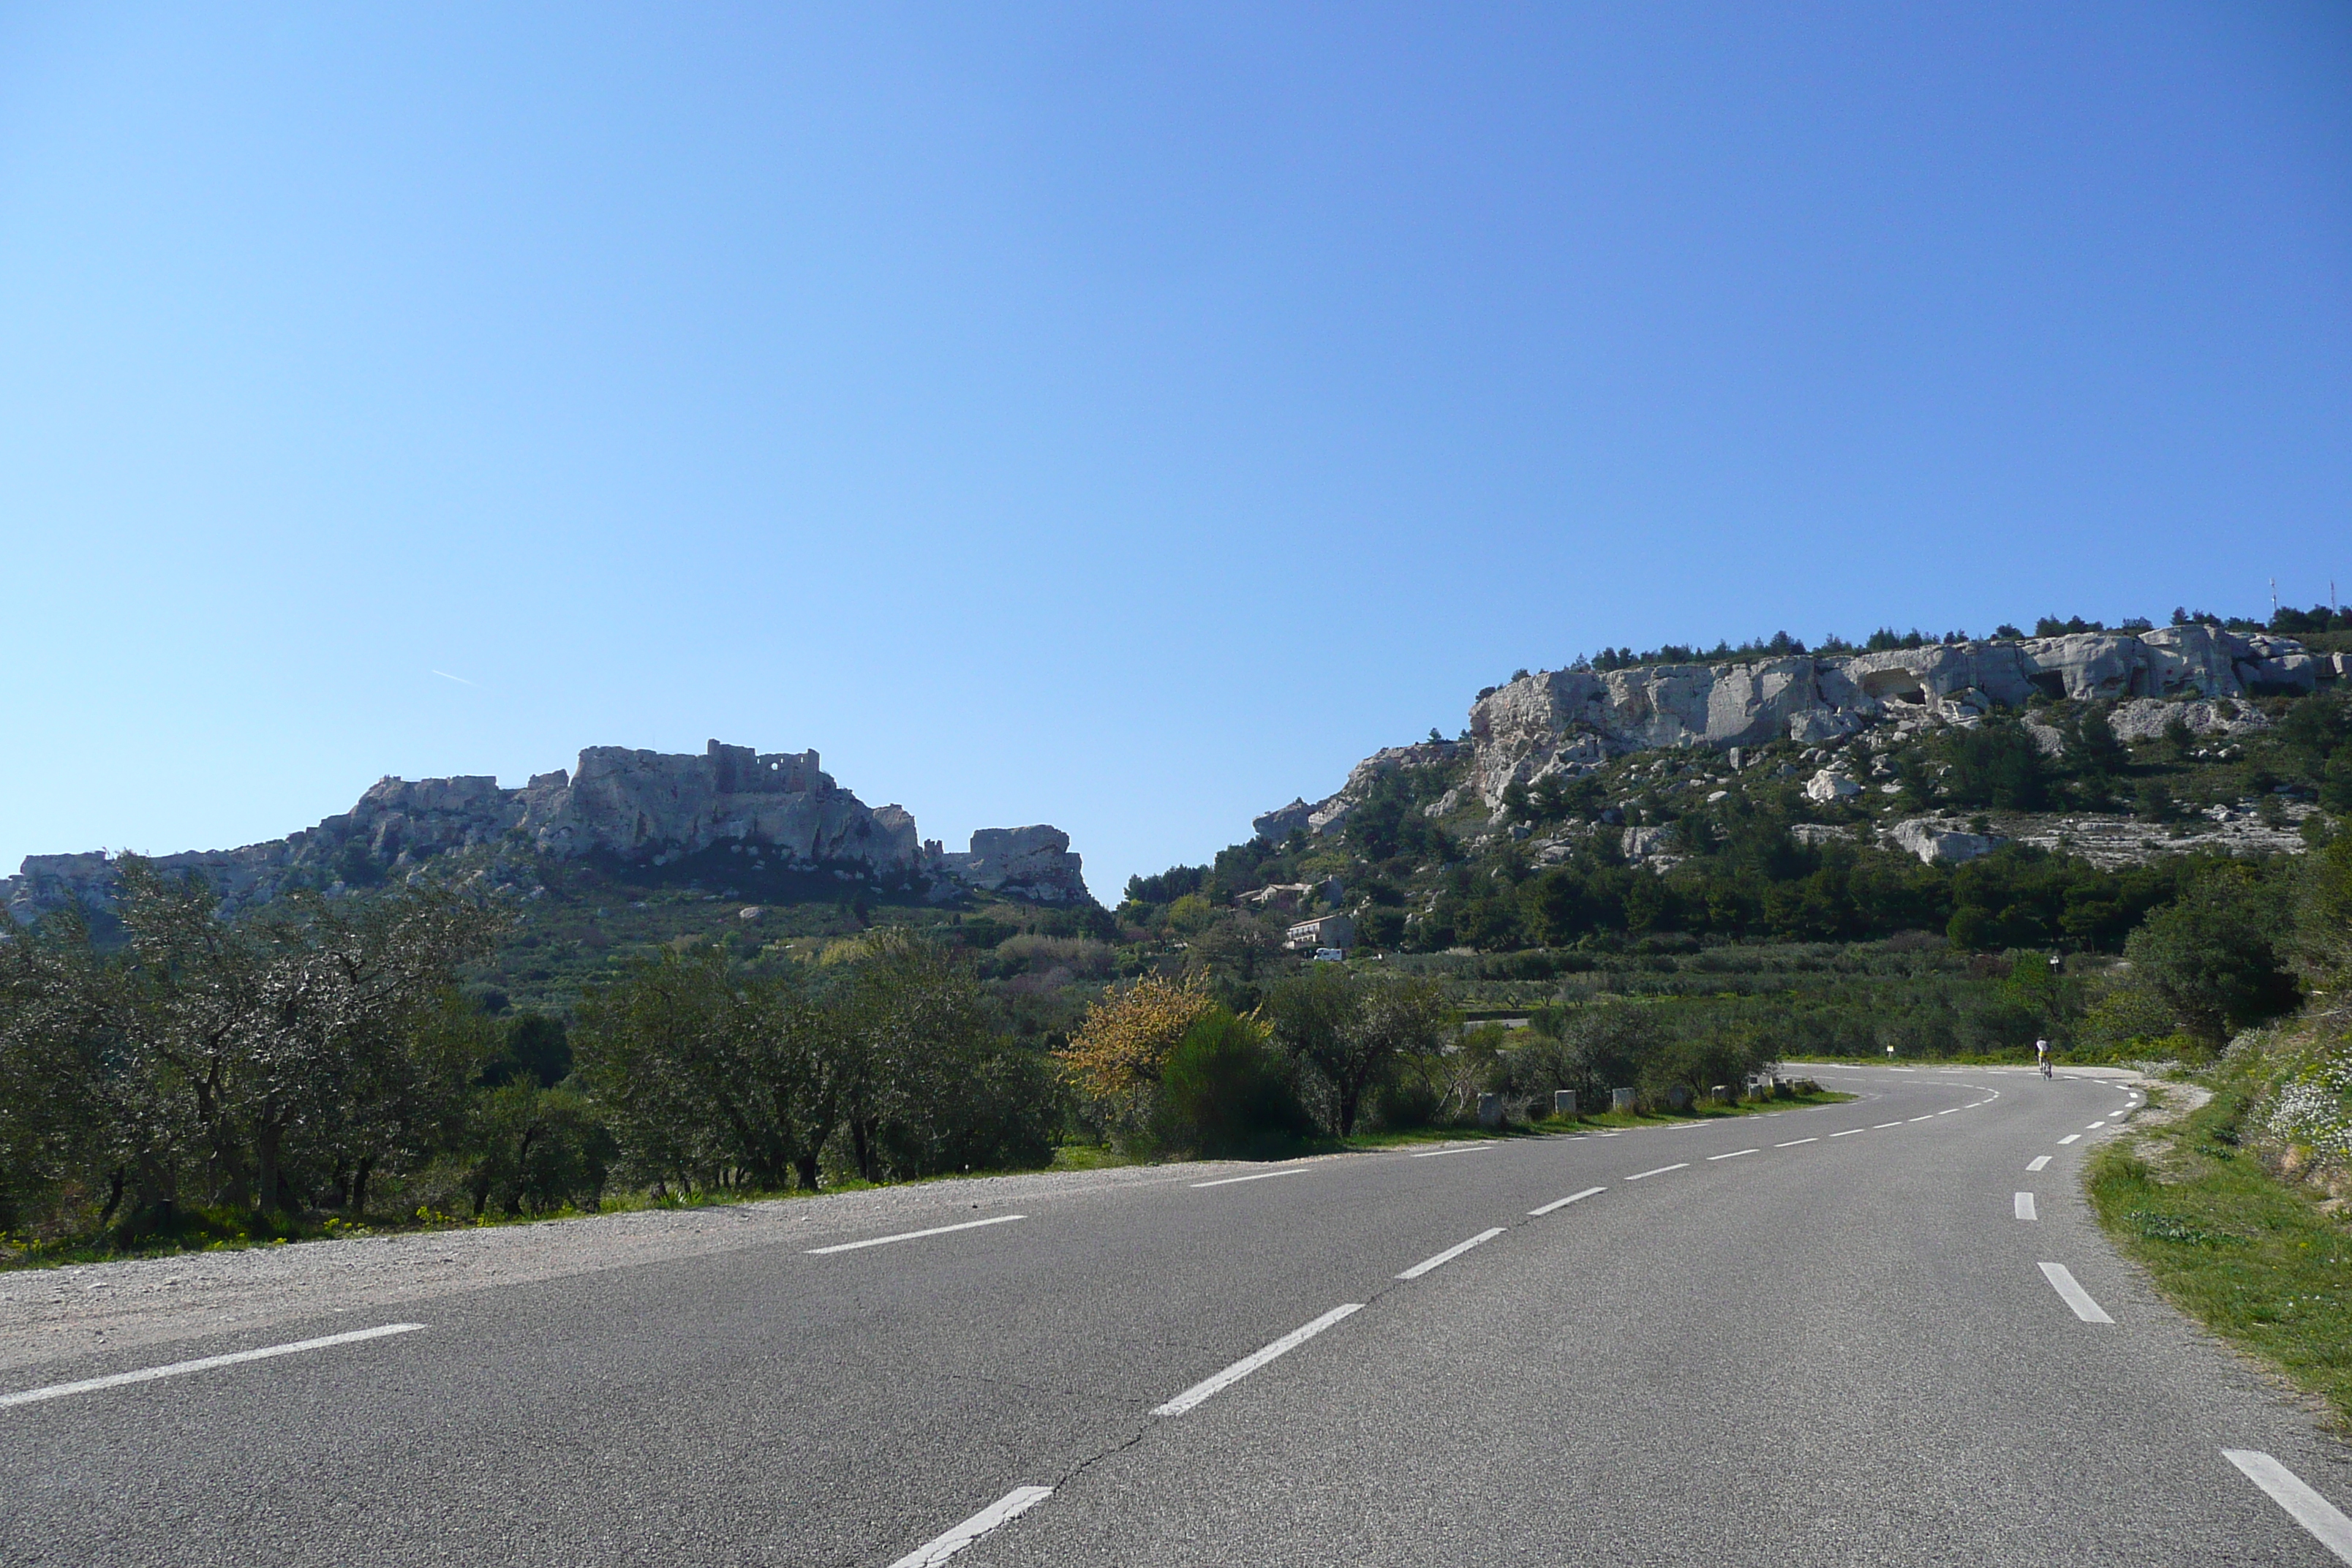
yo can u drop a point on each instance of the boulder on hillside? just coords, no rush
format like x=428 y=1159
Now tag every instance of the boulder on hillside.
x=1938 y=842
x=1829 y=785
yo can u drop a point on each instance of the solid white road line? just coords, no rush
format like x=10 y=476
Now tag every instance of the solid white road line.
x=2038 y=1162
x=1012 y=1504
x=1849 y=1131
x=1450 y=1254
x=2025 y=1206
x=1261 y=1175
x=2063 y=1281
x=2068 y=1139
x=179 y=1368
x=1733 y=1155
x=915 y=1235
x=1661 y=1170
x=1563 y=1202
x=1461 y=1149
x=1794 y=1141
x=1256 y=1359
x=2308 y=1508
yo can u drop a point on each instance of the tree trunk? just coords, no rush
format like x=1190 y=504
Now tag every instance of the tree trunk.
x=804 y=1168
x=265 y=1141
x=862 y=1143
x=359 y=1186
x=113 y=1198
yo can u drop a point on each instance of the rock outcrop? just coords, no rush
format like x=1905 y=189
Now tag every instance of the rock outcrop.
x=1033 y=863
x=1332 y=810
x=1573 y=720
x=1940 y=843
x=2147 y=718
x=637 y=807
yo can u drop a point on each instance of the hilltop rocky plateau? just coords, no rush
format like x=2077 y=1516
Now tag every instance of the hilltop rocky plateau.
x=746 y=813
x=1839 y=719
x=1962 y=797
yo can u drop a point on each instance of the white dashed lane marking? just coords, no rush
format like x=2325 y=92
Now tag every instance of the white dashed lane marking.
x=1563 y=1202
x=2038 y=1162
x=2025 y=1206
x=1733 y=1155
x=1661 y=1170
x=1261 y=1175
x=913 y=1234
x=2069 y=1138
x=939 y=1548
x=1254 y=1360
x=2326 y=1523
x=2062 y=1279
x=206 y=1363
x=1450 y=1254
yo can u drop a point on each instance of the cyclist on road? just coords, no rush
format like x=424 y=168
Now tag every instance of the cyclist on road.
x=2042 y=1056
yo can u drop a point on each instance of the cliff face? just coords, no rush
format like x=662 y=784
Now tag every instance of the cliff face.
x=1571 y=721
x=641 y=807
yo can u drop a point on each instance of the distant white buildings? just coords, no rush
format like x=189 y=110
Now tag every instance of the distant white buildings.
x=1323 y=931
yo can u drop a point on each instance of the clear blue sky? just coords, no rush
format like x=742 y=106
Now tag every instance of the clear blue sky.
x=1123 y=418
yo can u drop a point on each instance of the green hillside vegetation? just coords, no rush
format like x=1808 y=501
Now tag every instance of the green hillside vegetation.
x=1746 y=931
x=2237 y=1210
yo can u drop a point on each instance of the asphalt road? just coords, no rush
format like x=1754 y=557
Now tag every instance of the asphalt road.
x=1771 y=1339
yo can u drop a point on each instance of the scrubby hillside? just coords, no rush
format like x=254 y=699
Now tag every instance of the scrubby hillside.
x=1893 y=837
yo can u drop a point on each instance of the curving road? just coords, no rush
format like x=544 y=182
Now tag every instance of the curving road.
x=1827 y=1335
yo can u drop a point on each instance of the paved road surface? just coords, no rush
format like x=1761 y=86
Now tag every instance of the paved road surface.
x=1823 y=1336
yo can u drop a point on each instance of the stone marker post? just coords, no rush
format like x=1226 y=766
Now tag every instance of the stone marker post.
x=1490 y=1110
x=1563 y=1103
x=1621 y=1099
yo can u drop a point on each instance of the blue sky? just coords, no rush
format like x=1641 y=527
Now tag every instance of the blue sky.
x=1119 y=418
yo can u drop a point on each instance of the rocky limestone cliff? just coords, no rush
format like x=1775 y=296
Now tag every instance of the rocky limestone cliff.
x=640 y=807
x=1572 y=721
x=1331 y=812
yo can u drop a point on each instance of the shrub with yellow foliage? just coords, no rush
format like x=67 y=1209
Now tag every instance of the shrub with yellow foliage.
x=1115 y=1058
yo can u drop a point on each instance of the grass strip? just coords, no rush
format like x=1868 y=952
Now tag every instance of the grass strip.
x=2250 y=1257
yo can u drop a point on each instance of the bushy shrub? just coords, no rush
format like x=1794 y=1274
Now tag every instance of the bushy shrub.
x=1697 y=1063
x=1115 y=1059
x=2211 y=956
x=539 y=1150
x=1228 y=1092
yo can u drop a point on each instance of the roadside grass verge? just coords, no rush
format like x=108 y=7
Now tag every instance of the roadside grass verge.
x=2253 y=1259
